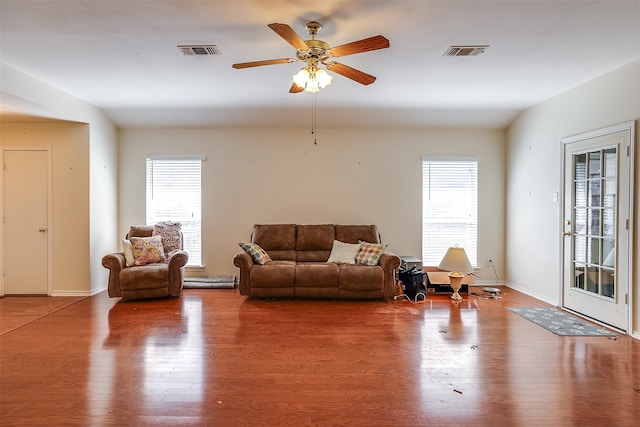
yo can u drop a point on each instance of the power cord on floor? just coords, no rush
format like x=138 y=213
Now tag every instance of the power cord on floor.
x=414 y=301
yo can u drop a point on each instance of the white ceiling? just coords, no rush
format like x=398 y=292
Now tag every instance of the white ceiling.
x=121 y=56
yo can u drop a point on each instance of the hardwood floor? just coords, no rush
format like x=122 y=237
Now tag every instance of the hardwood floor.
x=213 y=357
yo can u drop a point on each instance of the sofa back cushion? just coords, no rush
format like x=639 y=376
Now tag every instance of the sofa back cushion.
x=278 y=240
x=357 y=233
x=314 y=242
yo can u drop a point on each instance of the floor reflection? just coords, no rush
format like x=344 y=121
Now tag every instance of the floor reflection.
x=159 y=346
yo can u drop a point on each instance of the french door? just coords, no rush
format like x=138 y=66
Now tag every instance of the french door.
x=597 y=209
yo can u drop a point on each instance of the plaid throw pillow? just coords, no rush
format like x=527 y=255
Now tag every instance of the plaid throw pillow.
x=257 y=253
x=369 y=253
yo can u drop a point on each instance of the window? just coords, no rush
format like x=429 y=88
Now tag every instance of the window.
x=173 y=194
x=449 y=208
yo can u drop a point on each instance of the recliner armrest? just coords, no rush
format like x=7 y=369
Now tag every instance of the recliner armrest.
x=178 y=259
x=115 y=262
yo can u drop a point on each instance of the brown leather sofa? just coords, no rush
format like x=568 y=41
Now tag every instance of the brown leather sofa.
x=162 y=279
x=299 y=266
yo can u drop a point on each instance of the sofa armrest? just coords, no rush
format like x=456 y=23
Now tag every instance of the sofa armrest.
x=390 y=263
x=244 y=262
x=115 y=262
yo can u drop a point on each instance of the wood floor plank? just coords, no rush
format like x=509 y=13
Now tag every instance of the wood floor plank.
x=213 y=357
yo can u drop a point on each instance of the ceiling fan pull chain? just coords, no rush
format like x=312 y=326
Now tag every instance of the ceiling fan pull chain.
x=314 y=130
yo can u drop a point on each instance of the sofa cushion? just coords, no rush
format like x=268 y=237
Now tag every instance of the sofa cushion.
x=314 y=242
x=147 y=250
x=357 y=233
x=316 y=275
x=360 y=277
x=278 y=240
x=257 y=253
x=369 y=253
x=276 y=274
x=343 y=253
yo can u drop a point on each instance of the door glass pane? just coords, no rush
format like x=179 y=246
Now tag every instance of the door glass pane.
x=608 y=223
x=580 y=249
x=592 y=279
x=610 y=163
x=608 y=282
x=580 y=166
x=580 y=221
x=579 y=276
x=609 y=253
x=593 y=248
x=593 y=226
x=595 y=207
x=594 y=164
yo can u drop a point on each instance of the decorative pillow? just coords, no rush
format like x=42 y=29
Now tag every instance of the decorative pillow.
x=369 y=253
x=127 y=249
x=147 y=250
x=257 y=253
x=170 y=233
x=343 y=253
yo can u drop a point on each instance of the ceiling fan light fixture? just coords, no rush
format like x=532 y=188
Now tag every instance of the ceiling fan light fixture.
x=312 y=79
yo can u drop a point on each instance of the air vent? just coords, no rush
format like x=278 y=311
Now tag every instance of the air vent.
x=465 y=50
x=202 y=49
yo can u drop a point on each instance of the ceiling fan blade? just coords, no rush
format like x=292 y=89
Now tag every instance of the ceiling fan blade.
x=261 y=63
x=364 y=45
x=295 y=88
x=351 y=73
x=287 y=33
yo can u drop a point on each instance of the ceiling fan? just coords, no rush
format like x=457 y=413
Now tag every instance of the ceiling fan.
x=315 y=52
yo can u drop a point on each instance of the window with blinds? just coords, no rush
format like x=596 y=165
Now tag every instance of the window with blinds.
x=449 y=208
x=174 y=194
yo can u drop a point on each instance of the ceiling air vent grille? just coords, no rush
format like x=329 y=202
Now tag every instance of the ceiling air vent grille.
x=465 y=50
x=202 y=49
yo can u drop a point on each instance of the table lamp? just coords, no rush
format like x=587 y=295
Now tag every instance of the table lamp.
x=456 y=261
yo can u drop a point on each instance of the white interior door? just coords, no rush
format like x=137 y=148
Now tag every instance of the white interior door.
x=597 y=208
x=26 y=191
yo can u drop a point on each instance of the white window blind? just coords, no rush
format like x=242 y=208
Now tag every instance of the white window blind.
x=174 y=194
x=449 y=208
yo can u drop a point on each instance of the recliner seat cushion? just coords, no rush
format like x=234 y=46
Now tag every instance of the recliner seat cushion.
x=316 y=275
x=275 y=274
x=360 y=277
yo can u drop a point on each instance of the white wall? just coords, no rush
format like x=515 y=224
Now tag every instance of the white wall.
x=351 y=177
x=98 y=202
x=534 y=168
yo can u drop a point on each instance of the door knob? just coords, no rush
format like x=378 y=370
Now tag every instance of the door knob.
x=42 y=229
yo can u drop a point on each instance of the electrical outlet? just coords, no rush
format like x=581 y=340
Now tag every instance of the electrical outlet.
x=489 y=262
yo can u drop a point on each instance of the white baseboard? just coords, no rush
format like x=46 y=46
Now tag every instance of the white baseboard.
x=63 y=293
x=535 y=295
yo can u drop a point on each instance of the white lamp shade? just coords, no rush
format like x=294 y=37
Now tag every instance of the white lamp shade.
x=456 y=260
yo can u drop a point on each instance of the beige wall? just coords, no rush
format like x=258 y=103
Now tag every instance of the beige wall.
x=351 y=176
x=69 y=231
x=99 y=199
x=534 y=169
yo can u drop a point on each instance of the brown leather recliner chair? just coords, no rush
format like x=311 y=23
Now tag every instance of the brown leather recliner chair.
x=145 y=281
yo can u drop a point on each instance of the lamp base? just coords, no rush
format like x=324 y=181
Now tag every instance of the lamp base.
x=455 y=280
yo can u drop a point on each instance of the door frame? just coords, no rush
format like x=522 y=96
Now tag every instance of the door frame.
x=48 y=150
x=621 y=127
